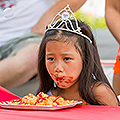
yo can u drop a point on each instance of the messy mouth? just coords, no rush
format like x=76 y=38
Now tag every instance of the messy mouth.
x=65 y=79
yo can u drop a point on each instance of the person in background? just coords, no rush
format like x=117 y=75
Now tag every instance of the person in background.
x=69 y=63
x=22 y=25
x=112 y=17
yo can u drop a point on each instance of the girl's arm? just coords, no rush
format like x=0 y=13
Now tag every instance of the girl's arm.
x=105 y=95
x=112 y=17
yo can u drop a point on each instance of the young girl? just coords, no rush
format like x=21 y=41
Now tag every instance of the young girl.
x=68 y=57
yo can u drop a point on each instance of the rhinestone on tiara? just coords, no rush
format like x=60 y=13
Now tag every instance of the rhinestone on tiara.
x=64 y=16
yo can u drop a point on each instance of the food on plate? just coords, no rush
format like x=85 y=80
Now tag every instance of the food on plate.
x=41 y=99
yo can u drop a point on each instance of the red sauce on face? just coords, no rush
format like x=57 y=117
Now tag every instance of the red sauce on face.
x=57 y=83
x=66 y=79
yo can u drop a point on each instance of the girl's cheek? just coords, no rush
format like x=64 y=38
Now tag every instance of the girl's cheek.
x=58 y=83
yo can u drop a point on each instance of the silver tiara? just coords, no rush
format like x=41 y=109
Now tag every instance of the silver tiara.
x=64 y=16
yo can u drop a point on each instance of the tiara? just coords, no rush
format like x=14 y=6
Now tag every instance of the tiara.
x=64 y=16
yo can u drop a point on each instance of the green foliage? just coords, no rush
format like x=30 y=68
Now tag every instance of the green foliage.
x=93 y=22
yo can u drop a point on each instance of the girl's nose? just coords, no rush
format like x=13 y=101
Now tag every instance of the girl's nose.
x=58 y=69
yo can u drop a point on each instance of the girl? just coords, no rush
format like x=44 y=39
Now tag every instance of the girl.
x=68 y=57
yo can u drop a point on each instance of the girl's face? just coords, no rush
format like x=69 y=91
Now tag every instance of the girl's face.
x=63 y=62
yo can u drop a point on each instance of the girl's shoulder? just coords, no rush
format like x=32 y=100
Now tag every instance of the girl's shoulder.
x=101 y=88
x=104 y=94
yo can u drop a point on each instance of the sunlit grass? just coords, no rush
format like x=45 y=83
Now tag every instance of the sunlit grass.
x=92 y=21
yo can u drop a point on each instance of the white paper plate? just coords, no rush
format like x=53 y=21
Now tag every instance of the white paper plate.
x=38 y=107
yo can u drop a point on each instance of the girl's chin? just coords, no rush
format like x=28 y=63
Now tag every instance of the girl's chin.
x=63 y=86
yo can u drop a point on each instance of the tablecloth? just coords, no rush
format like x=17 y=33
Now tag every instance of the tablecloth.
x=79 y=112
x=6 y=94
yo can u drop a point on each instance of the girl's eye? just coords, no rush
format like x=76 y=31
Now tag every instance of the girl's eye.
x=51 y=59
x=67 y=58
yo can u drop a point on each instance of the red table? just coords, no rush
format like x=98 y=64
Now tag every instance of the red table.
x=79 y=112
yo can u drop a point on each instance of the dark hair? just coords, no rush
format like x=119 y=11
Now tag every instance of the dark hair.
x=92 y=71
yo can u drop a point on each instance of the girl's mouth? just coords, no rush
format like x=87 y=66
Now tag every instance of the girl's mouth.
x=59 y=78
x=65 y=79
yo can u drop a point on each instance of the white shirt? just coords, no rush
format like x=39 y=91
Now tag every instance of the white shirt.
x=26 y=14
x=49 y=92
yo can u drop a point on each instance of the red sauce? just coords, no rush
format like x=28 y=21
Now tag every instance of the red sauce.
x=66 y=79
